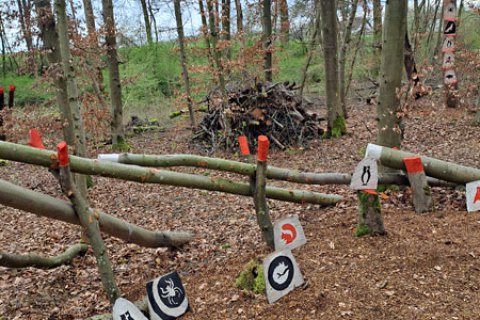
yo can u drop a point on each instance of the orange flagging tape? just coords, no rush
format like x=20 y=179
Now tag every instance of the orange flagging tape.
x=11 y=88
x=244 y=150
x=370 y=191
x=262 y=148
x=413 y=164
x=35 y=139
x=62 y=152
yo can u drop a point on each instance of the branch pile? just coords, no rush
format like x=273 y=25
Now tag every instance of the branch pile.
x=271 y=109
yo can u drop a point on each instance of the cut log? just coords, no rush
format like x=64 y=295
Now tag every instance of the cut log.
x=439 y=169
x=20 y=153
x=422 y=194
x=20 y=198
x=37 y=261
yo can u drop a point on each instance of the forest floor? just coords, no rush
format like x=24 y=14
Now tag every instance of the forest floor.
x=426 y=267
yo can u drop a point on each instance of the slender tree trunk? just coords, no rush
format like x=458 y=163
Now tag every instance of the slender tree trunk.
x=118 y=135
x=238 y=9
x=336 y=117
x=72 y=90
x=377 y=36
x=389 y=132
x=284 y=21
x=183 y=59
x=226 y=27
x=146 y=20
x=217 y=54
x=203 y=15
x=90 y=20
x=311 y=49
x=2 y=38
x=152 y=18
x=342 y=61
x=267 y=39
x=24 y=16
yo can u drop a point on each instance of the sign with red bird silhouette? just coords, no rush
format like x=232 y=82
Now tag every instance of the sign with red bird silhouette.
x=473 y=196
x=288 y=234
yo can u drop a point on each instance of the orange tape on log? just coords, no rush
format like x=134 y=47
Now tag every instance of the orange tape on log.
x=413 y=164
x=11 y=88
x=35 y=139
x=62 y=152
x=370 y=191
x=262 y=148
x=244 y=150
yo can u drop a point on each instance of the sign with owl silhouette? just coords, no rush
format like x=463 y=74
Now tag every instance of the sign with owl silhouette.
x=282 y=274
x=288 y=234
x=167 y=299
x=448 y=45
x=365 y=175
x=125 y=310
x=450 y=77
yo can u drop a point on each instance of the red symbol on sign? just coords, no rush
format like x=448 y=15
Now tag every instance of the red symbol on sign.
x=477 y=195
x=291 y=233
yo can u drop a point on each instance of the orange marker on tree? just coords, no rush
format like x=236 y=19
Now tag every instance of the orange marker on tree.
x=263 y=144
x=62 y=153
x=244 y=150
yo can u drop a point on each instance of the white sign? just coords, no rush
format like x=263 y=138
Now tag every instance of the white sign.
x=365 y=175
x=450 y=77
x=167 y=299
x=473 y=196
x=450 y=12
x=448 y=60
x=282 y=274
x=448 y=45
x=288 y=234
x=125 y=310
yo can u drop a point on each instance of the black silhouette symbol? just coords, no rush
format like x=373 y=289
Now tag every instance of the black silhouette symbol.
x=280 y=273
x=366 y=175
x=450 y=76
x=450 y=28
x=126 y=316
x=449 y=60
x=449 y=43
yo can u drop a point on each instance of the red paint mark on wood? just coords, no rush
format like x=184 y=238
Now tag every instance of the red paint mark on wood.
x=244 y=150
x=1 y=90
x=477 y=195
x=35 y=139
x=62 y=152
x=11 y=88
x=370 y=191
x=413 y=164
x=263 y=144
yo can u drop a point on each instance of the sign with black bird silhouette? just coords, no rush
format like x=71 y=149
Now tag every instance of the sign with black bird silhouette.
x=167 y=299
x=365 y=175
x=282 y=274
x=125 y=310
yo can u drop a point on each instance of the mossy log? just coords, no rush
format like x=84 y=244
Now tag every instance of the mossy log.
x=370 y=221
x=439 y=169
x=37 y=261
x=27 y=200
x=25 y=154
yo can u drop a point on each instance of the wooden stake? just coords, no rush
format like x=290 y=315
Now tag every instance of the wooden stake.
x=11 y=95
x=370 y=221
x=422 y=197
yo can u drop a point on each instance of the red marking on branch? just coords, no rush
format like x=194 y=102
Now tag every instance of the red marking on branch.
x=244 y=150
x=371 y=192
x=290 y=235
x=263 y=144
x=62 y=152
x=477 y=195
x=413 y=164
x=1 y=90
x=35 y=139
x=11 y=88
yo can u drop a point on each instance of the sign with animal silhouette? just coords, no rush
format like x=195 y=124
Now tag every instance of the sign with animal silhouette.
x=282 y=274
x=125 y=310
x=167 y=299
x=288 y=234
x=448 y=45
x=365 y=175
x=473 y=196
x=448 y=61
x=450 y=77
x=450 y=13
x=450 y=28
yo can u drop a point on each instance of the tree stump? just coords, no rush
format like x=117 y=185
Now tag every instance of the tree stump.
x=370 y=221
x=422 y=195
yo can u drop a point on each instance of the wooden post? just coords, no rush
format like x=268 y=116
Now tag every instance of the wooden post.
x=244 y=149
x=259 y=195
x=370 y=221
x=449 y=32
x=11 y=94
x=422 y=195
x=89 y=221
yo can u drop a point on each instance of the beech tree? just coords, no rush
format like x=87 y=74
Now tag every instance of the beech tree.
x=377 y=37
x=267 y=39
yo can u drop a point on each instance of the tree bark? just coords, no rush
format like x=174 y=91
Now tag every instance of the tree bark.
x=183 y=60
x=33 y=260
x=389 y=131
x=118 y=134
x=370 y=221
x=311 y=49
x=146 y=20
x=377 y=37
x=267 y=39
x=43 y=205
x=261 y=206
x=24 y=15
x=217 y=54
x=226 y=28
x=206 y=37
x=336 y=117
x=284 y=21
x=15 y=152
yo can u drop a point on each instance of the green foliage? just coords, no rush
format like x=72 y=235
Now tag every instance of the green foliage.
x=339 y=127
x=361 y=230
x=252 y=278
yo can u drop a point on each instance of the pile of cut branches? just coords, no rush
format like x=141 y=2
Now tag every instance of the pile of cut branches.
x=271 y=109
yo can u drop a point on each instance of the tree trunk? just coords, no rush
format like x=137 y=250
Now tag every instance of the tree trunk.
x=439 y=169
x=284 y=21
x=267 y=39
x=118 y=135
x=336 y=117
x=154 y=21
x=377 y=37
x=72 y=90
x=146 y=20
x=370 y=221
x=238 y=9
x=206 y=37
x=24 y=15
x=409 y=62
x=183 y=59
x=342 y=61
x=389 y=130
x=261 y=206
x=32 y=260
x=226 y=28
x=43 y=205
x=311 y=48
x=15 y=152
x=217 y=54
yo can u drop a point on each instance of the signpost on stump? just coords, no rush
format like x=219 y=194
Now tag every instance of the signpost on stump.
x=449 y=31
